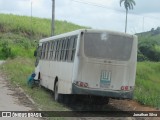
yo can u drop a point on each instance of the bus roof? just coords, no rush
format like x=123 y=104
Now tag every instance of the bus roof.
x=76 y=32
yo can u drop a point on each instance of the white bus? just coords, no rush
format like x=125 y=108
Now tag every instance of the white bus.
x=88 y=62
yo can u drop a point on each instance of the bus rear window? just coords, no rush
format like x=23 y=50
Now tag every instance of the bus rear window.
x=107 y=46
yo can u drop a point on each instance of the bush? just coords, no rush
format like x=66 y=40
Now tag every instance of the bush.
x=149 y=50
x=6 y=51
x=141 y=57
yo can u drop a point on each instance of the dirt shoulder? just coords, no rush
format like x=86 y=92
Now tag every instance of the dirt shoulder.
x=13 y=99
x=130 y=105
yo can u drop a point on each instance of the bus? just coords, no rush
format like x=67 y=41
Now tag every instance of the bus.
x=98 y=63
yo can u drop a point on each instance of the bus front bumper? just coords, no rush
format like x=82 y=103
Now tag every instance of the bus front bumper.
x=111 y=94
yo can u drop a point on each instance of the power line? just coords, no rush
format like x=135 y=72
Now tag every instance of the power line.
x=121 y=11
x=97 y=5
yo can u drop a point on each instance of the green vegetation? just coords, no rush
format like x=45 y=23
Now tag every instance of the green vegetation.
x=37 y=28
x=12 y=45
x=17 y=38
x=20 y=35
x=149 y=47
x=148 y=83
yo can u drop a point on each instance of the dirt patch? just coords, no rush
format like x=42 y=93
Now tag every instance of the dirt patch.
x=130 y=105
x=114 y=105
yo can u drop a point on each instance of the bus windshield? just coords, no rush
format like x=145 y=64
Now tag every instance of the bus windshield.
x=107 y=46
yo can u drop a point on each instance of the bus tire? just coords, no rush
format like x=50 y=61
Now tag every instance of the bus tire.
x=40 y=80
x=57 y=96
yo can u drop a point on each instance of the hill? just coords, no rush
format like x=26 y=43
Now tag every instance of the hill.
x=37 y=27
x=18 y=34
x=149 y=45
x=17 y=41
x=152 y=32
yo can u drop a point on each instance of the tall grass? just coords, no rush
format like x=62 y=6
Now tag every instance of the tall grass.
x=148 y=83
x=21 y=32
x=36 y=27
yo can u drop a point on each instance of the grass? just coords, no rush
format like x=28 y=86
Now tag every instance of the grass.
x=37 y=28
x=147 y=89
x=23 y=35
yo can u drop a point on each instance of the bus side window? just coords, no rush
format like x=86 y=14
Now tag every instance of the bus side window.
x=74 y=48
x=52 y=50
x=70 y=49
x=56 y=51
x=55 y=47
x=46 y=50
x=42 y=51
x=59 y=50
x=44 y=55
x=67 y=49
x=62 y=49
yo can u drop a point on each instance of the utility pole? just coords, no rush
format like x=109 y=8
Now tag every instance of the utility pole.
x=53 y=18
x=31 y=18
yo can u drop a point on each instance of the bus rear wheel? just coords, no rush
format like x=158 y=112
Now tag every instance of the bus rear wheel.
x=57 y=96
x=40 y=80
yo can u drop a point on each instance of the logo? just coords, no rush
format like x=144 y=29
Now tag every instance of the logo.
x=6 y=114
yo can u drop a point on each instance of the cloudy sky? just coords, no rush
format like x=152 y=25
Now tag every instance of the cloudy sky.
x=98 y=14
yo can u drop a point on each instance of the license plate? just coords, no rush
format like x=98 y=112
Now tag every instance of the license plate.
x=105 y=78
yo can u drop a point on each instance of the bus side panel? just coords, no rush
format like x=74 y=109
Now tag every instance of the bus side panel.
x=44 y=72
x=63 y=71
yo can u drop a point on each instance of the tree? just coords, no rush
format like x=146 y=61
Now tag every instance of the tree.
x=128 y=4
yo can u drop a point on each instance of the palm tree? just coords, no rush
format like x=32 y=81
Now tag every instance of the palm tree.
x=128 y=4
